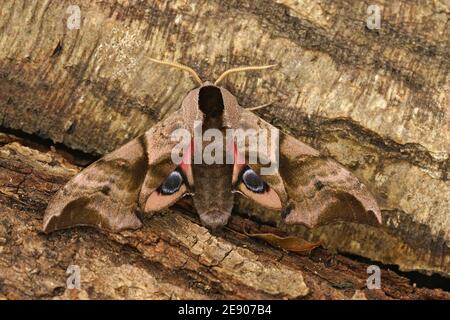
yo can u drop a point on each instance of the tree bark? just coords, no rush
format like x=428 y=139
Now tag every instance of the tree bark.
x=375 y=100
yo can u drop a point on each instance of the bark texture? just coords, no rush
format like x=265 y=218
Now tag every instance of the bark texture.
x=375 y=100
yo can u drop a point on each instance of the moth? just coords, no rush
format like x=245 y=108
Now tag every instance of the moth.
x=141 y=177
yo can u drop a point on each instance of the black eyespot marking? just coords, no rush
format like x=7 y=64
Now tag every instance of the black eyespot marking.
x=319 y=185
x=172 y=183
x=210 y=101
x=253 y=182
x=105 y=190
x=287 y=210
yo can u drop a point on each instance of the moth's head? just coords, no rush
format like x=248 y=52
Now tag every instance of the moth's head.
x=210 y=102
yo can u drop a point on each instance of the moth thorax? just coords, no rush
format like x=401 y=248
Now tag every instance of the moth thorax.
x=210 y=101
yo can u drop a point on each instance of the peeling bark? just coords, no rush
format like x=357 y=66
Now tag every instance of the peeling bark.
x=375 y=100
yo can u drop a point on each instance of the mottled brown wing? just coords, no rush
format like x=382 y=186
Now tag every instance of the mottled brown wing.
x=320 y=190
x=317 y=190
x=107 y=193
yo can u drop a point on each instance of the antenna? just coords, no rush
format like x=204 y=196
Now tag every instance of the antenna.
x=241 y=69
x=182 y=67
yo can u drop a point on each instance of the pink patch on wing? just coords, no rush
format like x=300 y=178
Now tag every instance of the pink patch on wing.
x=185 y=164
x=239 y=163
x=238 y=157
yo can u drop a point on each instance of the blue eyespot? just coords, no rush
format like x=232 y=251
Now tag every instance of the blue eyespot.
x=253 y=182
x=172 y=183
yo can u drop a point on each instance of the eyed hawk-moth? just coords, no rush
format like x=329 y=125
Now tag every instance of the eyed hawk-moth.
x=141 y=176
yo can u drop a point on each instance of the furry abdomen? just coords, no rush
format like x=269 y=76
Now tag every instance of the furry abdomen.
x=213 y=198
